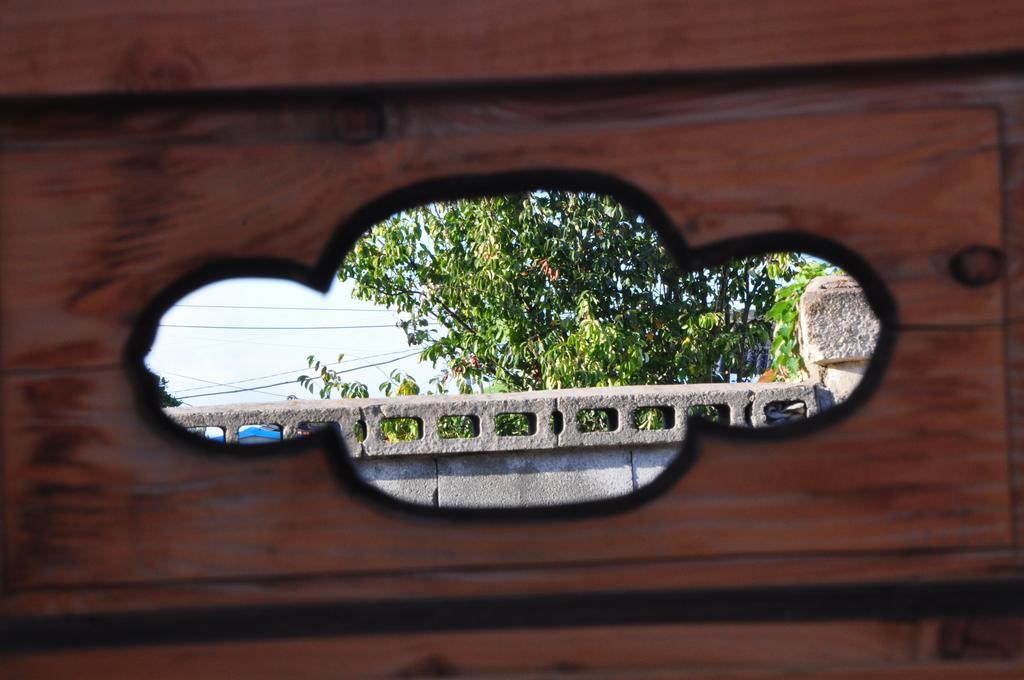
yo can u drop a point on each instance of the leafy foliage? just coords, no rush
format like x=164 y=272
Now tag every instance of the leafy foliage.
x=548 y=290
x=166 y=398
x=553 y=289
x=786 y=361
x=331 y=381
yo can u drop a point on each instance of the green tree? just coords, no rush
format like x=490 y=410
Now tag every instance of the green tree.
x=166 y=398
x=786 y=360
x=554 y=289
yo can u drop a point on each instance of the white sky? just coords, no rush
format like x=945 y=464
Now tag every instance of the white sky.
x=194 y=360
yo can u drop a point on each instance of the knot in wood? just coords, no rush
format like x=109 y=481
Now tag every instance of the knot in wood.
x=977 y=265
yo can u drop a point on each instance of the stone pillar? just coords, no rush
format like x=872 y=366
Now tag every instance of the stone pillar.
x=838 y=333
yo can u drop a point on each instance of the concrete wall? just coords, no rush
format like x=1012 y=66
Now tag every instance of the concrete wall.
x=517 y=479
x=557 y=463
x=552 y=465
x=838 y=333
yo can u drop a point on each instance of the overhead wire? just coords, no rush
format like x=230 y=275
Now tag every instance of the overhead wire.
x=258 y=388
x=176 y=393
x=205 y=342
x=302 y=309
x=291 y=382
x=278 y=328
x=296 y=370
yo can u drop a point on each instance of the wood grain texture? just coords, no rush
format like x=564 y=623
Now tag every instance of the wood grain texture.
x=100 y=209
x=634 y=576
x=113 y=226
x=782 y=650
x=1014 y=281
x=145 y=149
x=94 y=497
x=115 y=46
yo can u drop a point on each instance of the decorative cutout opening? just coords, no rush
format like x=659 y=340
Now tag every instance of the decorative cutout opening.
x=654 y=418
x=515 y=424
x=401 y=429
x=307 y=428
x=556 y=421
x=458 y=427
x=489 y=318
x=208 y=432
x=781 y=412
x=716 y=413
x=260 y=433
x=597 y=420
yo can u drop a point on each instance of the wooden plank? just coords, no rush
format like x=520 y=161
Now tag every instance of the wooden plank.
x=325 y=117
x=319 y=659
x=518 y=651
x=1014 y=282
x=90 y=235
x=115 y=46
x=778 y=650
x=597 y=578
x=443 y=118
x=94 y=497
x=991 y=670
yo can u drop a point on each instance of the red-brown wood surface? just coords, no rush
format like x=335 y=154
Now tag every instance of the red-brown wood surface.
x=99 y=210
x=73 y=480
x=113 y=226
x=103 y=46
x=113 y=223
x=877 y=650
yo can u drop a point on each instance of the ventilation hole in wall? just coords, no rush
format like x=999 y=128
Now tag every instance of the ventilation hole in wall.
x=555 y=420
x=515 y=424
x=781 y=412
x=654 y=418
x=394 y=430
x=515 y=302
x=597 y=420
x=260 y=433
x=306 y=428
x=212 y=433
x=716 y=413
x=359 y=431
x=458 y=427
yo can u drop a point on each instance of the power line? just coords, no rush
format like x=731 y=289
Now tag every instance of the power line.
x=279 y=328
x=302 y=309
x=209 y=382
x=292 y=382
x=204 y=342
x=235 y=383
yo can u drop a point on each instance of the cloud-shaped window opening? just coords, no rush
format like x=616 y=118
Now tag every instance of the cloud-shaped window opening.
x=530 y=349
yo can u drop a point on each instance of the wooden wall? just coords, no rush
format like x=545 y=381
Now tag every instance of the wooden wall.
x=106 y=199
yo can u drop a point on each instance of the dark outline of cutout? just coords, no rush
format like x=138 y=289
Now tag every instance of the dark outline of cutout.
x=321 y=276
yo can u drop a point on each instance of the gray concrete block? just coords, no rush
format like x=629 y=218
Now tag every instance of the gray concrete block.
x=734 y=396
x=769 y=393
x=507 y=480
x=413 y=480
x=484 y=407
x=648 y=464
x=290 y=415
x=625 y=401
x=836 y=322
x=739 y=399
x=841 y=379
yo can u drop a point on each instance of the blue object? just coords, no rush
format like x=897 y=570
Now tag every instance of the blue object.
x=255 y=434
